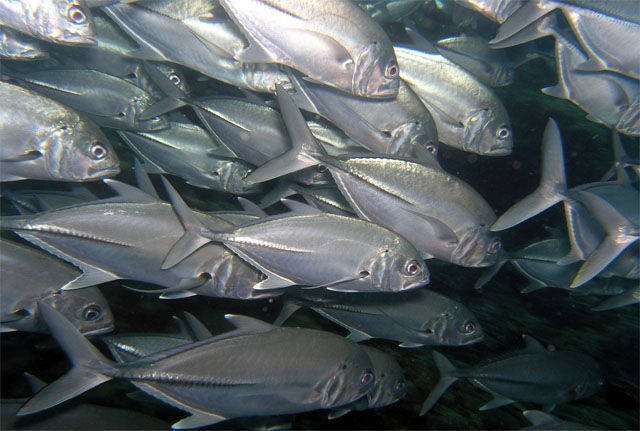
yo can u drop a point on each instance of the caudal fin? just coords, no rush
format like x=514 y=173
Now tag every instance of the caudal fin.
x=553 y=184
x=88 y=364
x=446 y=369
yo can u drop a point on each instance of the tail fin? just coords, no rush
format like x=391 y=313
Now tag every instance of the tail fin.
x=524 y=19
x=86 y=359
x=446 y=369
x=621 y=233
x=304 y=144
x=553 y=184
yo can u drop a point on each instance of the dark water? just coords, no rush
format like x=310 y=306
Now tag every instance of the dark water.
x=551 y=315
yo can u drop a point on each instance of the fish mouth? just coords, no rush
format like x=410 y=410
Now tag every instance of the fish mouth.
x=99 y=173
x=103 y=330
x=498 y=150
x=78 y=39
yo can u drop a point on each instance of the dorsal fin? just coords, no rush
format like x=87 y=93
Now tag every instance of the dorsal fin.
x=128 y=193
x=533 y=345
x=247 y=323
x=251 y=208
x=300 y=208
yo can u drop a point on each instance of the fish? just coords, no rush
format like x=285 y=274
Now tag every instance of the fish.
x=28 y=275
x=496 y=10
x=186 y=150
x=105 y=99
x=401 y=126
x=311 y=248
x=604 y=30
x=221 y=377
x=467 y=113
x=388 y=11
x=588 y=224
x=43 y=139
x=628 y=297
x=545 y=421
x=530 y=375
x=57 y=21
x=128 y=237
x=333 y=42
x=451 y=217
x=416 y=318
x=35 y=201
x=18 y=46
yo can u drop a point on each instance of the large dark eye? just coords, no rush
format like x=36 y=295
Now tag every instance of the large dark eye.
x=400 y=386
x=391 y=71
x=76 y=14
x=173 y=77
x=494 y=247
x=412 y=268
x=502 y=133
x=469 y=327
x=98 y=151
x=367 y=378
x=91 y=313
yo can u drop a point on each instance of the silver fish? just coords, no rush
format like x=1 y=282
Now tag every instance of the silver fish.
x=333 y=42
x=529 y=375
x=129 y=237
x=417 y=318
x=42 y=139
x=604 y=29
x=105 y=99
x=241 y=373
x=629 y=297
x=312 y=248
x=468 y=115
x=59 y=21
x=28 y=275
x=387 y=11
x=35 y=201
x=188 y=151
x=444 y=217
x=544 y=421
x=496 y=10
x=17 y=46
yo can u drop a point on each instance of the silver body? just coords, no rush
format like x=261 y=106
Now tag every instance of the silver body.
x=320 y=249
x=28 y=275
x=42 y=139
x=467 y=114
x=111 y=241
x=416 y=318
x=58 y=21
x=333 y=42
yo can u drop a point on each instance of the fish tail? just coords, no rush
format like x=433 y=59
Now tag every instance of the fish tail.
x=553 y=183
x=88 y=364
x=304 y=149
x=446 y=369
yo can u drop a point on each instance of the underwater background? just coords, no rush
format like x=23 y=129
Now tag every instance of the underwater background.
x=552 y=316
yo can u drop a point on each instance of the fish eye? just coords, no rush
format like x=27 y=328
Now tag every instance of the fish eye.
x=391 y=71
x=503 y=132
x=263 y=276
x=175 y=79
x=400 y=386
x=469 y=327
x=366 y=378
x=322 y=168
x=76 y=14
x=98 y=151
x=494 y=247
x=412 y=268
x=91 y=313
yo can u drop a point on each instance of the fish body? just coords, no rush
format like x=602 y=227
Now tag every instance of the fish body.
x=43 y=139
x=544 y=421
x=107 y=100
x=467 y=114
x=496 y=10
x=17 y=46
x=188 y=151
x=58 y=21
x=416 y=318
x=531 y=375
x=333 y=42
x=28 y=275
x=111 y=240
x=242 y=373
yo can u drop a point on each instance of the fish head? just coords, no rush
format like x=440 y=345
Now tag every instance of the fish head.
x=376 y=73
x=411 y=139
x=352 y=379
x=231 y=174
x=79 y=152
x=487 y=133
x=86 y=308
x=591 y=379
x=390 y=384
x=396 y=268
x=477 y=248
x=457 y=326
x=61 y=21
